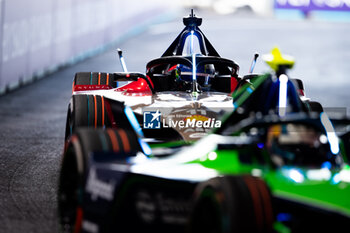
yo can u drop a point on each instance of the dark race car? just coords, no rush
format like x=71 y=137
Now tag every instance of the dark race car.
x=265 y=174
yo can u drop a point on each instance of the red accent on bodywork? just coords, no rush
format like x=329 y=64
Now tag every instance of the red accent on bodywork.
x=301 y=92
x=78 y=220
x=91 y=87
x=110 y=114
x=172 y=68
x=150 y=80
x=234 y=83
x=139 y=86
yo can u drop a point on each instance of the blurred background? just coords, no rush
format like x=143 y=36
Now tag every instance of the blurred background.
x=39 y=37
x=51 y=40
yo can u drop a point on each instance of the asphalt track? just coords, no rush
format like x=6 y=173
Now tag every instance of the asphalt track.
x=32 y=119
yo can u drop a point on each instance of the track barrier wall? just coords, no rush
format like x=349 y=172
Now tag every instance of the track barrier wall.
x=37 y=37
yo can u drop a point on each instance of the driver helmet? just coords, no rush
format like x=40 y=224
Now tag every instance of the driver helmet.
x=203 y=73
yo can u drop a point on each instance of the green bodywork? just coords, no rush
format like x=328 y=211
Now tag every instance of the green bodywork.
x=326 y=188
x=322 y=188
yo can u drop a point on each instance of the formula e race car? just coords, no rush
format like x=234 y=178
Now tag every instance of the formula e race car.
x=266 y=175
x=273 y=165
x=190 y=80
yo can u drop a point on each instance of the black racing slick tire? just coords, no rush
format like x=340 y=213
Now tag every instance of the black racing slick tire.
x=95 y=111
x=86 y=111
x=232 y=204
x=75 y=167
x=94 y=78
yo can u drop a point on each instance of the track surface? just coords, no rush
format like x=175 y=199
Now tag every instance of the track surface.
x=32 y=119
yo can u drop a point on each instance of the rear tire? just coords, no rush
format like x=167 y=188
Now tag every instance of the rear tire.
x=95 y=111
x=86 y=111
x=94 y=78
x=232 y=204
x=75 y=167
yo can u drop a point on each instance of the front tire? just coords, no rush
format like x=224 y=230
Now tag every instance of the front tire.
x=75 y=168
